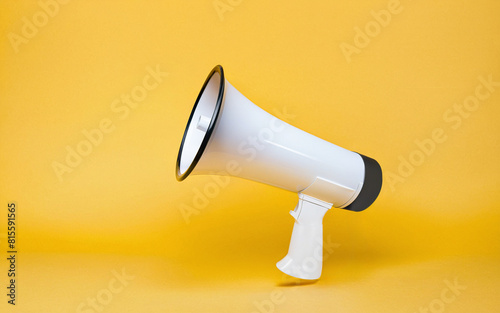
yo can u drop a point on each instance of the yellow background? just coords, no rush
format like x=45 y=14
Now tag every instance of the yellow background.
x=120 y=208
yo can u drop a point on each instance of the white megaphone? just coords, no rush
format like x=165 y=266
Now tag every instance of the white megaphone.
x=229 y=135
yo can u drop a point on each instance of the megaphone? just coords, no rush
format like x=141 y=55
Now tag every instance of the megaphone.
x=227 y=134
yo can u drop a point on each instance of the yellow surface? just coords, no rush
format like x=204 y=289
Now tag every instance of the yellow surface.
x=119 y=208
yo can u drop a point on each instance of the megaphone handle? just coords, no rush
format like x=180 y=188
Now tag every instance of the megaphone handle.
x=305 y=254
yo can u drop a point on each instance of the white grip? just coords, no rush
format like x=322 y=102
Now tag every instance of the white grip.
x=305 y=254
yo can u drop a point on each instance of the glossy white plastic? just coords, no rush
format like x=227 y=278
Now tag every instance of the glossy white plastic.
x=250 y=143
x=305 y=254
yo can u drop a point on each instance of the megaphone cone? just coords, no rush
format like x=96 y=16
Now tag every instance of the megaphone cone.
x=227 y=134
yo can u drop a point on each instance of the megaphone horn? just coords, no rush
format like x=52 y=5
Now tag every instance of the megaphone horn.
x=226 y=128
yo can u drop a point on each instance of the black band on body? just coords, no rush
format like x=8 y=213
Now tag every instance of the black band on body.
x=371 y=186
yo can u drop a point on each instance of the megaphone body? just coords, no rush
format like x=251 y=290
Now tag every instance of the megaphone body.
x=229 y=135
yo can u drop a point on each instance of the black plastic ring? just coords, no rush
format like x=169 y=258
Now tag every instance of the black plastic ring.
x=211 y=126
x=371 y=185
